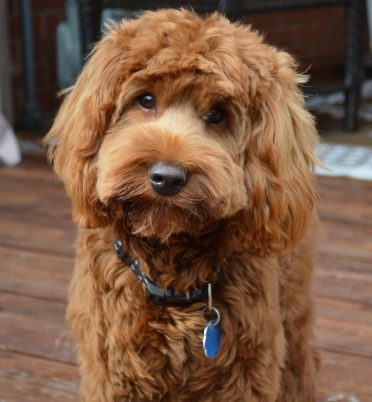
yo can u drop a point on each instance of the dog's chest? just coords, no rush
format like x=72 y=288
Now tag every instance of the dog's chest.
x=161 y=349
x=153 y=353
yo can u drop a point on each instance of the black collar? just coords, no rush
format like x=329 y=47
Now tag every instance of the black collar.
x=166 y=297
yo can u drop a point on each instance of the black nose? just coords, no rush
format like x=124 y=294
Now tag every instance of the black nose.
x=167 y=179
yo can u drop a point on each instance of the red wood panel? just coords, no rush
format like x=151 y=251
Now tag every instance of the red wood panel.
x=25 y=378
x=33 y=273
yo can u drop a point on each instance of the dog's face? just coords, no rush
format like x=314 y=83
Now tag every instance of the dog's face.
x=178 y=123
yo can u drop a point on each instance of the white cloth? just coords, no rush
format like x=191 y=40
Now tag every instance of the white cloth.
x=344 y=160
x=10 y=153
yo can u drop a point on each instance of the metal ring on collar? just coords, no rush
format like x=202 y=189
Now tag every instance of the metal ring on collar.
x=216 y=311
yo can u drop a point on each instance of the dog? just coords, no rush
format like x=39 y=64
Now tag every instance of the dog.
x=187 y=153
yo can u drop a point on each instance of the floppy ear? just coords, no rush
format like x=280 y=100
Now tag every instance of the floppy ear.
x=279 y=163
x=81 y=123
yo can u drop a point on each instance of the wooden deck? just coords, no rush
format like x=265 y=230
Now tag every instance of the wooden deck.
x=36 y=258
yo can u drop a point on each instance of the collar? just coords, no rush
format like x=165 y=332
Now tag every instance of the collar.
x=166 y=297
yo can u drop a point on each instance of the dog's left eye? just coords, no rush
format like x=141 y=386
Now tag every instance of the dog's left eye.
x=147 y=101
x=215 y=116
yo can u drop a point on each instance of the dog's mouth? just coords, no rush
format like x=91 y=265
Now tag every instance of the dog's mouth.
x=165 y=216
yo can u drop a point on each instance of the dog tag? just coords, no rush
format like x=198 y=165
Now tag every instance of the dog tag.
x=212 y=339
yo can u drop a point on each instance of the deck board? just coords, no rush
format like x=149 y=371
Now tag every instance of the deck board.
x=37 y=233
x=335 y=284
x=42 y=199
x=342 y=374
x=26 y=378
x=344 y=327
x=37 y=361
x=35 y=326
x=34 y=273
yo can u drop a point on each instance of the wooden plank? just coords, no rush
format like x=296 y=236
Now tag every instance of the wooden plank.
x=345 y=238
x=344 y=261
x=29 y=379
x=345 y=375
x=40 y=233
x=32 y=166
x=350 y=210
x=341 y=187
x=334 y=283
x=344 y=327
x=36 y=261
x=354 y=264
x=36 y=327
x=25 y=195
x=35 y=274
x=345 y=211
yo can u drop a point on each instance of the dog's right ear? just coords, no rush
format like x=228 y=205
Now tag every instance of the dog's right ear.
x=82 y=121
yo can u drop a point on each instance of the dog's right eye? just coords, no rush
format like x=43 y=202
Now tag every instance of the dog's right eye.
x=147 y=101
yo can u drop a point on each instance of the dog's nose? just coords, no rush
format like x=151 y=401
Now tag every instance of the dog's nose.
x=167 y=179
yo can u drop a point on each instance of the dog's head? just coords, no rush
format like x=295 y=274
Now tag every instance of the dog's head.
x=177 y=123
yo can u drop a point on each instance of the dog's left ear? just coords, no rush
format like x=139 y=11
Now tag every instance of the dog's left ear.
x=81 y=123
x=279 y=162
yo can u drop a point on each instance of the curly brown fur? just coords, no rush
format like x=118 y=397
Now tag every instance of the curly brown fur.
x=247 y=206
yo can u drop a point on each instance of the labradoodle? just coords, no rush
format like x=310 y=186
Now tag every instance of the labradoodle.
x=187 y=154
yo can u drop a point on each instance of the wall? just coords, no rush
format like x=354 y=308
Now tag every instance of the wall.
x=46 y=14
x=315 y=36
x=6 y=106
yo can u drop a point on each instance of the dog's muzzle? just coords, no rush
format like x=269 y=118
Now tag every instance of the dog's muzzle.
x=167 y=179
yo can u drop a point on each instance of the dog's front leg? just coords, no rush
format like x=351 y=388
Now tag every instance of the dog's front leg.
x=302 y=362
x=92 y=368
x=254 y=331
x=85 y=320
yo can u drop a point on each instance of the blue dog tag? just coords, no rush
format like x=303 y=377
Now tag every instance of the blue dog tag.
x=211 y=339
